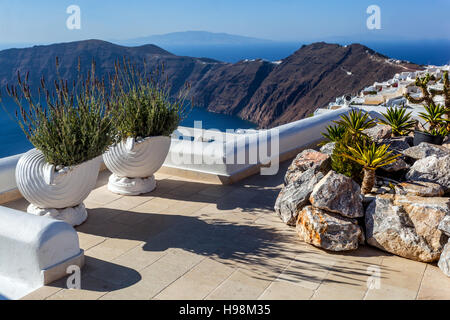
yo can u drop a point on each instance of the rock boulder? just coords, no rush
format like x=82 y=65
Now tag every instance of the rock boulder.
x=432 y=169
x=294 y=196
x=339 y=194
x=444 y=261
x=308 y=159
x=425 y=150
x=407 y=226
x=444 y=225
x=399 y=144
x=419 y=188
x=398 y=165
x=379 y=132
x=328 y=148
x=328 y=230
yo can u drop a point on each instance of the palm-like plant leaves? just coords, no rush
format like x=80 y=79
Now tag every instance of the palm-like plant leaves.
x=434 y=115
x=439 y=132
x=356 y=122
x=372 y=156
x=333 y=134
x=400 y=121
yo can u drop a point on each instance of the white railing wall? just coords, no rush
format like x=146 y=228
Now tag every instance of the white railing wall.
x=217 y=157
x=7 y=173
x=34 y=251
x=210 y=152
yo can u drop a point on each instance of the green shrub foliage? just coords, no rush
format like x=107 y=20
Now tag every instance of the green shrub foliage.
x=333 y=134
x=400 y=121
x=74 y=123
x=354 y=124
x=143 y=102
x=342 y=164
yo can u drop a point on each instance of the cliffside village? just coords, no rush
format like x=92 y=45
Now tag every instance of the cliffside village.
x=391 y=92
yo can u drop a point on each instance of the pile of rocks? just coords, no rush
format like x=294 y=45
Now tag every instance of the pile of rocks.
x=321 y=203
x=408 y=216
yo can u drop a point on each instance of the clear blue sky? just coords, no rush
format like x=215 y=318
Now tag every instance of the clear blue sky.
x=43 y=21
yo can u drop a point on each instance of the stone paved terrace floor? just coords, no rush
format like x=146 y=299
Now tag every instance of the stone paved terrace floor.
x=191 y=240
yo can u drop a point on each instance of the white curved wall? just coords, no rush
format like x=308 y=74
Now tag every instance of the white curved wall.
x=216 y=153
x=30 y=246
x=217 y=157
x=7 y=173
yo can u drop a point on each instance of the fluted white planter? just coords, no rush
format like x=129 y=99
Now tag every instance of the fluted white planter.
x=133 y=164
x=56 y=193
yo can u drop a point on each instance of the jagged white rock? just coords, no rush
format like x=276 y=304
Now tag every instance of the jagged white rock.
x=294 y=196
x=339 y=194
x=425 y=150
x=328 y=230
x=444 y=260
x=407 y=226
x=431 y=169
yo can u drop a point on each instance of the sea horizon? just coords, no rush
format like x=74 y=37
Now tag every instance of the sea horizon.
x=422 y=52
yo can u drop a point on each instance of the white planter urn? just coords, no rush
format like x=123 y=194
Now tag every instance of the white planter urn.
x=133 y=163
x=58 y=194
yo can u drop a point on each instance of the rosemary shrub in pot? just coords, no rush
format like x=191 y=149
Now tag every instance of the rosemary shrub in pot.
x=70 y=126
x=149 y=117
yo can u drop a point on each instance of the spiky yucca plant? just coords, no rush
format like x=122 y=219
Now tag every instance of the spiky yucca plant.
x=400 y=121
x=356 y=122
x=73 y=124
x=144 y=99
x=371 y=157
x=434 y=116
x=333 y=134
x=344 y=165
x=439 y=132
x=446 y=93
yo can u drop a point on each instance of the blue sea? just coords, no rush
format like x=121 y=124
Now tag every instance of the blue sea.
x=435 y=52
x=13 y=140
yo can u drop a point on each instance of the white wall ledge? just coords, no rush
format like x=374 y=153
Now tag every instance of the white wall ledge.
x=34 y=251
x=207 y=151
x=8 y=173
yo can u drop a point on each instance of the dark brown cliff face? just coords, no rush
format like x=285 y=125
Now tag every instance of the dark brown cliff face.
x=229 y=88
x=40 y=60
x=260 y=91
x=310 y=78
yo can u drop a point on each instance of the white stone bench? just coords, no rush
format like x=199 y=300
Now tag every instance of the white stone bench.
x=34 y=251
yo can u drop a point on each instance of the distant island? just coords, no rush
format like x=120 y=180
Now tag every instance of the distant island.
x=193 y=38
